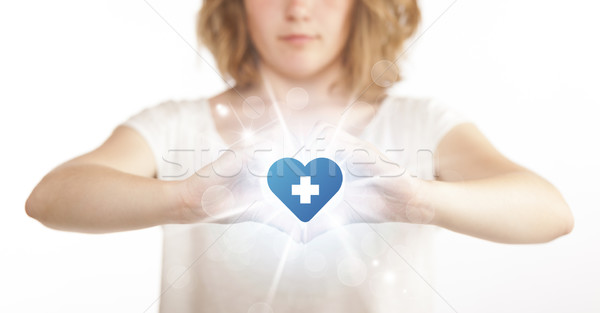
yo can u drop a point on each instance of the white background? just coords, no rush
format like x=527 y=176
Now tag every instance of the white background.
x=525 y=71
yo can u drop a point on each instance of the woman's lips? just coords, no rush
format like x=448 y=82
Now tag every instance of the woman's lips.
x=297 y=39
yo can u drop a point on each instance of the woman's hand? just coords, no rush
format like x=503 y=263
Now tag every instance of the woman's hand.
x=231 y=189
x=375 y=189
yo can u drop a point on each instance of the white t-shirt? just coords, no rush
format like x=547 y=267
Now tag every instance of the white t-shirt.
x=249 y=267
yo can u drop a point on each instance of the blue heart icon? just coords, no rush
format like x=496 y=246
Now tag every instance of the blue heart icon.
x=304 y=189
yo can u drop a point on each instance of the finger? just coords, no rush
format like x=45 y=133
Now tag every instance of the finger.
x=229 y=163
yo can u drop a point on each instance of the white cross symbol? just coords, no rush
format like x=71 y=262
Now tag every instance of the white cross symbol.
x=305 y=190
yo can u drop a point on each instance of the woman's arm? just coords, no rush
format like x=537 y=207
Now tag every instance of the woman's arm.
x=481 y=193
x=107 y=190
x=92 y=198
x=518 y=207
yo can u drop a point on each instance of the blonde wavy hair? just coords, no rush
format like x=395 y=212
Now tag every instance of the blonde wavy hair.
x=378 y=32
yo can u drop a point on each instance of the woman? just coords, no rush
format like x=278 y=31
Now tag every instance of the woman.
x=410 y=165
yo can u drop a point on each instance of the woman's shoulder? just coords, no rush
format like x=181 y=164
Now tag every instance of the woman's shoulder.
x=197 y=103
x=403 y=101
x=182 y=109
x=175 y=106
x=420 y=106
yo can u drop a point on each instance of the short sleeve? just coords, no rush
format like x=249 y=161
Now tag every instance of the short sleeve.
x=438 y=119
x=428 y=120
x=156 y=125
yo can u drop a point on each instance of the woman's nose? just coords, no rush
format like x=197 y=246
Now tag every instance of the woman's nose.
x=298 y=10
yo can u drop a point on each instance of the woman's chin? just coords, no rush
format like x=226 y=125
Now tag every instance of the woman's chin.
x=300 y=71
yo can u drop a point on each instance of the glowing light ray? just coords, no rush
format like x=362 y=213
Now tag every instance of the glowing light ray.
x=291 y=231
x=368 y=215
x=348 y=107
x=287 y=134
x=340 y=124
x=278 y=271
x=328 y=149
x=405 y=261
x=296 y=230
x=237 y=116
x=254 y=132
x=338 y=127
x=346 y=244
x=340 y=226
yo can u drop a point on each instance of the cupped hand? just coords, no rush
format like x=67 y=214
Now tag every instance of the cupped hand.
x=232 y=188
x=375 y=189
